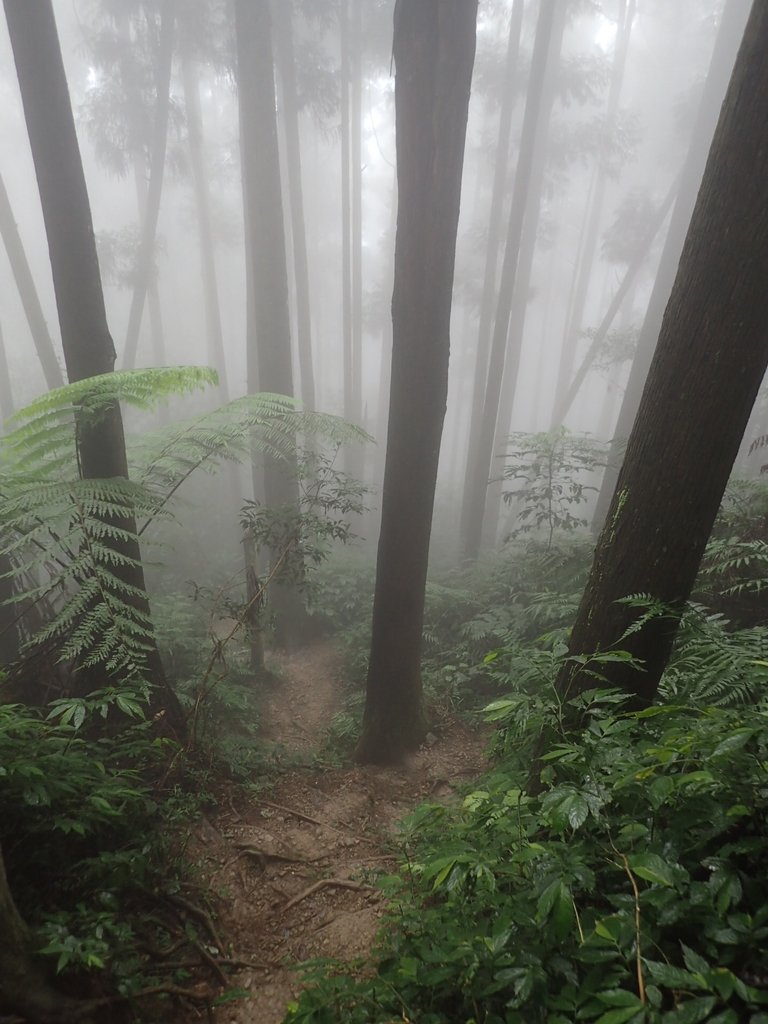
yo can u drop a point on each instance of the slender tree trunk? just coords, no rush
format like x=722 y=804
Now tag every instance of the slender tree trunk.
x=625 y=17
x=266 y=250
x=434 y=45
x=152 y=209
x=627 y=282
x=518 y=311
x=22 y=275
x=157 y=329
x=723 y=56
x=546 y=50
x=214 y=333
x=711 y=356
x=281 y=14
x=356 y=227
x=88 y=346
x=493 y=246
x=385 y=355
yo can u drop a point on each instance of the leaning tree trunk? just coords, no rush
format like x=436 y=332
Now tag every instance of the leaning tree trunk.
x=723 y=56
x=88 y=346
x=546 y=50
x=434 y=46
x=154 y=192
x=25 y=283
x=711 y=356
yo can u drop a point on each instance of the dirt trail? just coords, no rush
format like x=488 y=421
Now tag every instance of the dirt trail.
x=294 y=867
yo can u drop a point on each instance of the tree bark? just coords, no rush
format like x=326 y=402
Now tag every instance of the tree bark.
x=723 y=56
x=549 y=32
x=87 y=343
x=711 y=356
x=155 y=190
x=281 y=13
x=434 y=45
x=25 y=283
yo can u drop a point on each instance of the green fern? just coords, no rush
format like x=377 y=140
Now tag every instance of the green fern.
x=65 y=533
x=714 y=666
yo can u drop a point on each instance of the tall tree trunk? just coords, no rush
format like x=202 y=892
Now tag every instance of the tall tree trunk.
x=625 y=17
x=434 y=46
x=546 y=51
x=214 y=333
x=723 y=56
x=88 y=346
x=710 y=359
x=156 y=326
x=157 y=170
x=493 y=246
x=28 y=293
x=518 y=312
x=281 y=15
x=356 y=227
x=266 y=254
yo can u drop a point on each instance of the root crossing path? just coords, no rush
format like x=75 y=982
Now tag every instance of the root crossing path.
x=293 y=869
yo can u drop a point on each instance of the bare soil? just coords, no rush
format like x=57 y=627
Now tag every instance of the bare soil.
x=293 y=869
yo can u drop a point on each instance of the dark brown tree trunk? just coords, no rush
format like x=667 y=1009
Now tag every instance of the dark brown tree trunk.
x=214 y=333
x=434 y=45
x=723 y=56
x=281 y=14
x=546 y=52
x=267 y=262
x=145 y=260
x=710 y=359
x=28 y=293
x=88 y=346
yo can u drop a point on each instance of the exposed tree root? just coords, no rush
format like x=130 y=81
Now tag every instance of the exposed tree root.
x=342 y=883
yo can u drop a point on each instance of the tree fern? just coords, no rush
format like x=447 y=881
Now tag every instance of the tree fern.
x=67 y=534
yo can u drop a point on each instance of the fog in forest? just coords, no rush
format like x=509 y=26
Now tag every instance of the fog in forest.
x=624 y=93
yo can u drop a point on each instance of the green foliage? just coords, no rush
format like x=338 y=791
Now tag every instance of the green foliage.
x=553 y=472
x=74 y=539
x=299 y=537
x=631 y=889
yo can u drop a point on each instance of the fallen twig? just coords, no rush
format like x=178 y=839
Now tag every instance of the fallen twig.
x=342 y=883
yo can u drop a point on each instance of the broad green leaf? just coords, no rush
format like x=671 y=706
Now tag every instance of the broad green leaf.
x=651 y=867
